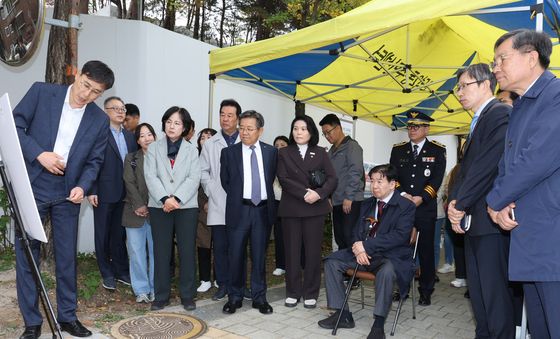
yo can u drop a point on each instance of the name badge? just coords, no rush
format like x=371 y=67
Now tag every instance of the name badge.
x=428 y=159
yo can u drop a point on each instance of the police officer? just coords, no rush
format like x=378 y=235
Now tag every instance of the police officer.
x=421 y=166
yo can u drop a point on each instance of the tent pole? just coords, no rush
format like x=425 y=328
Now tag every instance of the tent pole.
x=407 y=70
x=539 y=21
x=210 y=100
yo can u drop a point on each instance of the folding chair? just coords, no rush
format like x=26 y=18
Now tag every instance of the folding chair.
x=363 y=275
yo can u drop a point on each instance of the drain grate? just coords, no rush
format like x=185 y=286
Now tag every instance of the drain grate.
x=159 y=326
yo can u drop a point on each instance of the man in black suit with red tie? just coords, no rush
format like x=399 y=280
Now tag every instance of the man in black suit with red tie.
x=486 y=245
x=247 y=172
x=386 y=251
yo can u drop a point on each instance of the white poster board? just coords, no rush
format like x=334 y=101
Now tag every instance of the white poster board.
x=12 y=156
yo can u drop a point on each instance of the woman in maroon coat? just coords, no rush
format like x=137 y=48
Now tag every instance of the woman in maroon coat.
x=308 y=179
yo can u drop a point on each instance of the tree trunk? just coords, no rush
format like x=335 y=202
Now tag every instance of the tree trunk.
x=304 y=13
x=133 y=10
x=119 y=8
x=315 y=11
x=196 y=27
x=169 y=21
x=57 y=55
x=190 y=15
x=203 y=21
x=84 y=7
x=222 y=21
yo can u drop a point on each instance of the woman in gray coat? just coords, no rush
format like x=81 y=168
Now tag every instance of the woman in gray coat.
x=136 y=218
x=172 y=175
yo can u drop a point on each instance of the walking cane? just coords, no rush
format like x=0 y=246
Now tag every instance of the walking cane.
x=351 y=282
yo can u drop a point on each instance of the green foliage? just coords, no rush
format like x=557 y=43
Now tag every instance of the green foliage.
x=110 y=318
x=7 y=259
x=4 y=219
x=89 y=277
x=48 y=280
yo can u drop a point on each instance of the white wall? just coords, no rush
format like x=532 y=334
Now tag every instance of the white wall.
x=156 y=69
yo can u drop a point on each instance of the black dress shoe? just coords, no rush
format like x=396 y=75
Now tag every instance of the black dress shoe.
x=158 y=305
x=396 y=296
x=425 y=300
x=75 y=328
x=264 y=307
x=231 y=306
x=436 y=278
x=220 y=293
x=376 y=333
x=346 y=321
x=188 y=304
x=31 y=332
x=109 y=284
x=467 y=294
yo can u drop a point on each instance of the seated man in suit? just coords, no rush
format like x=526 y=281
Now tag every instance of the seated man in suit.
x=247 y=172
x=385 y=251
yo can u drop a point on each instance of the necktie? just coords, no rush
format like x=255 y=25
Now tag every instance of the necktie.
x=255 y=178
x=473 y=123
x=121 y=145
x=375 y=227
x=415 y=151
x=380 y=205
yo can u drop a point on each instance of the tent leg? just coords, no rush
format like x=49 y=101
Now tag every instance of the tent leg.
x=539 y=21
x=210 y=101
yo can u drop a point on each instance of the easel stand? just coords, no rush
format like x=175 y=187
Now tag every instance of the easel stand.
x=25 y=242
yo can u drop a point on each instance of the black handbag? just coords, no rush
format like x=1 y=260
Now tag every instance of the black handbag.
x=317 y=178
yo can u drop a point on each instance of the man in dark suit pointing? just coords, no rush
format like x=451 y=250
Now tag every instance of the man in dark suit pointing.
x=247 y=172
x=63 y=136
x=486 y=245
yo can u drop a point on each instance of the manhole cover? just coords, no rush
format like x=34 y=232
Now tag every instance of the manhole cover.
x=159 y=325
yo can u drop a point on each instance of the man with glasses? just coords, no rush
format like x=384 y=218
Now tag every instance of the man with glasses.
x=247 y=171
x=348 y=161
x=524 y=198
x=63 y=135
x=211 y=182
x=486 y=245
x=421 y=166
x=106 y=196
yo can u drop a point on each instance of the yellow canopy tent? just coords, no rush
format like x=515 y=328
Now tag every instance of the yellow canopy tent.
x=377 y=61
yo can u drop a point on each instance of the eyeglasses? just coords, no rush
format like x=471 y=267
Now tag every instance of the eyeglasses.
x=170 y=122
x=117 y=109
x=90 y=88
x=327 y=133
x=414 y=127
x=462 y=86
x=247 y=129
x=505 y=56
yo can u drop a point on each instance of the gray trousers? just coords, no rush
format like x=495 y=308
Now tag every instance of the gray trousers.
x=335 y=266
